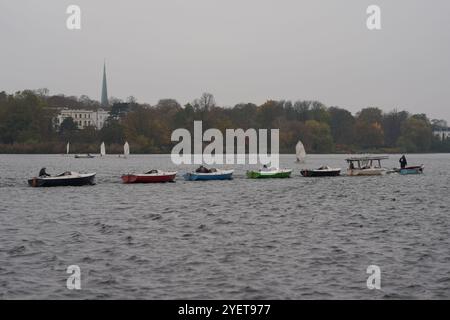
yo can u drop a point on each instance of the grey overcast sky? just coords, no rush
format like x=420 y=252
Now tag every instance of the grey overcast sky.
x=239 y=50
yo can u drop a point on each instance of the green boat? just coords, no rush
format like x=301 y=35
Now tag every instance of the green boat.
x=271 y=173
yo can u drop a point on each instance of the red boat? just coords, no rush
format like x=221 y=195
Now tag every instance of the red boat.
x=152 y=176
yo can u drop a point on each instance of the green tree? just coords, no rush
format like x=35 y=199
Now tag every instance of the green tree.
x=267 y=113
x=342 y=125
x=416 y=134
x=119 y=110
x=302 y=110
x=24 y=118
x=319 y=112
x=368 y=130
x=370 y=115
x=316 y=136
x=392 y=124
x=68 y=125
x=112 y=132
x=369 y=135
x=243 y=115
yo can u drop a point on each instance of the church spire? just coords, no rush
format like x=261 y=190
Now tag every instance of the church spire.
x=104 y=101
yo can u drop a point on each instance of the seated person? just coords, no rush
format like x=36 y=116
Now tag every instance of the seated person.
x=202 y=169
x=43 y=173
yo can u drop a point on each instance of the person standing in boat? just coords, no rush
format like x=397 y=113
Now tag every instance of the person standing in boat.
x=403 y=162
x=43 y=173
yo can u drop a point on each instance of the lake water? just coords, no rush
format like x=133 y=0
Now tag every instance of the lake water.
x=298 y=238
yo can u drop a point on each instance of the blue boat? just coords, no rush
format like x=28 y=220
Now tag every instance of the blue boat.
x=215 y=174
x=412 y=170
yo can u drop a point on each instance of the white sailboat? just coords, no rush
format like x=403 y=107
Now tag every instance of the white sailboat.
x=300 y=152
x=102 y=149
x=68 y=148
x=126 y=149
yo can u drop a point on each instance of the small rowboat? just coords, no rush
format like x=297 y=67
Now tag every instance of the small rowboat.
x=153 y=176
x=269 y=173
x=411 y=170
x=216 y=174
x=324 y=171
x=68 y=178
x=84 y=156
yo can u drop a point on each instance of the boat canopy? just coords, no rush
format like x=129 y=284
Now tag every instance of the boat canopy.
x=367 y=158
x=365 y=162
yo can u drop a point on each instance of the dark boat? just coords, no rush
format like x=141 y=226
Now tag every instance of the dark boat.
x=84 y=156
x=324 y=171
x=65 y=179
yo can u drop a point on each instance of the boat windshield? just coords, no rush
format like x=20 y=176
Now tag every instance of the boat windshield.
x=365 y=162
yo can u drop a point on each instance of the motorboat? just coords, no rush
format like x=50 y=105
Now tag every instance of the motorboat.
x=410 y=170
x=323 y=171
x=68 y=178
x=269 y=173
x=366 y=166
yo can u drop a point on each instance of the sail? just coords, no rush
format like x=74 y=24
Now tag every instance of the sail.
x=102 y=149
x=126 y=149
x=300 y=152
x=68 y=148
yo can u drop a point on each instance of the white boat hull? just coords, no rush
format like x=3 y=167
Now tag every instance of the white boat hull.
x=366 y=172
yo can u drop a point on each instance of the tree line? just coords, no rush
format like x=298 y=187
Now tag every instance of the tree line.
x=27 y=125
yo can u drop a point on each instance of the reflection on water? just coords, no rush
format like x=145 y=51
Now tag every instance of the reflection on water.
x=298 y=238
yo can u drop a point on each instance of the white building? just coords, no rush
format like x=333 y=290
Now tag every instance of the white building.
x=442 y=134
x=84 y=118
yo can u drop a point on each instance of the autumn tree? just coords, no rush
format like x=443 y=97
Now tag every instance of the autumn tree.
x=368 y=130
